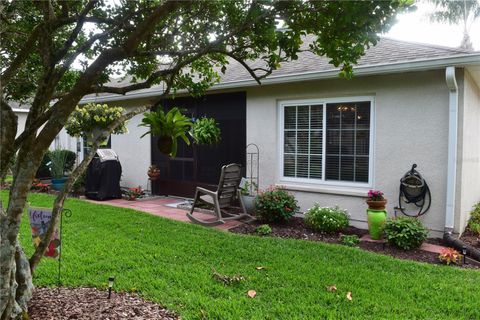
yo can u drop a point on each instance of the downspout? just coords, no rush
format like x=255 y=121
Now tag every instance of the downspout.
x=452 y=147
x=452 y=168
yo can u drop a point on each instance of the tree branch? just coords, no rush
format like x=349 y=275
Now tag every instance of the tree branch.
x=22 y=55
x=80 y=21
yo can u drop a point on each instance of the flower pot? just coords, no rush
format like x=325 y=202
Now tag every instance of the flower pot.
x=164 y=144
x=153 y=176
x=376 y=205
x=249 y=203
x=58 y=183
x=376 y=223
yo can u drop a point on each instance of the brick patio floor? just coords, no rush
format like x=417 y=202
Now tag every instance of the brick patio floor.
x=158 y=207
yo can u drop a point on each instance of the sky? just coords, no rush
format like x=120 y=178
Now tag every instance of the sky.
x=415 y=26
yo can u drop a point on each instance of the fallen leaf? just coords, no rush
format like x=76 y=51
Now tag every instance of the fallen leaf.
x=331 y=288
x=349 y=296
x=260 y=268
x=252 y=293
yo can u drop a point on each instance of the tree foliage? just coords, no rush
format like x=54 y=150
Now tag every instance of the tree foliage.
x=463 y=12
x=183 y=45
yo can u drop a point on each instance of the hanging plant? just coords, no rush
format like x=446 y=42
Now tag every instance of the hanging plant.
x=206 y=131
x=92 y=120
x=168 y=127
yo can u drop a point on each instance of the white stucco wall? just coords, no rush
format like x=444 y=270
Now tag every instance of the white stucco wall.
x=468 y=186
x=134 y=152
x=411 y=126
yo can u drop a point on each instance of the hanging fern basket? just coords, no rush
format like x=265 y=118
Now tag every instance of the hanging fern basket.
x=164 y=144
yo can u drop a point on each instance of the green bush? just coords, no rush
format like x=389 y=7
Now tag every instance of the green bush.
x=275 y=205
x=349 y=240
x=263 y=230
x=474 y=222
x=43 y=170
x=326 y=219
x=405 y=233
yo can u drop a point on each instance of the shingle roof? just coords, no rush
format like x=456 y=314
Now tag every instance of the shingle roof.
x=387 y=51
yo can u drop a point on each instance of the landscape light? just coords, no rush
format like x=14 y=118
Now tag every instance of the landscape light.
x=464 y=253
x=110 y=285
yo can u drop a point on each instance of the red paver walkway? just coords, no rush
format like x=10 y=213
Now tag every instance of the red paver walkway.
x=425 y=246
x=158 y=207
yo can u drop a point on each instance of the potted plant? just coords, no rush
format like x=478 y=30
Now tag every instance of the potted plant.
x=134 y=193
x=153 y=172
x=205 y=131
x=58 y=161
x=376 y=213
x=376 y=200
x=168 y=127
x=248 y=194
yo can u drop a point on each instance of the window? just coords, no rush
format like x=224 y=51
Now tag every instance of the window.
x=326 y=141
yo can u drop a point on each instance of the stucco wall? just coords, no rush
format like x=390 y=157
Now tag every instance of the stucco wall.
x=411 y=126
x=134 y=152
x=468 y=186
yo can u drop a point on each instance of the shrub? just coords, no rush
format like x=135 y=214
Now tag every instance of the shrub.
x=405 y=233
x=326 y=219
x=275 y=205
x=449 y=255
x=85 y=119
x=474 y=222
x=263 y=230
x=43 y=170
x=349 y=240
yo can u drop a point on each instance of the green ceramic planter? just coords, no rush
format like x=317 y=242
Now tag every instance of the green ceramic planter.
x=376 y=223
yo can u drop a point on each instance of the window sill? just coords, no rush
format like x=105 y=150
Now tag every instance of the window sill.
x=344 y=191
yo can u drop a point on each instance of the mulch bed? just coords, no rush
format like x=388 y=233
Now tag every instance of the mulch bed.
x=295 y=228
x=90 y=303
x=471 y=238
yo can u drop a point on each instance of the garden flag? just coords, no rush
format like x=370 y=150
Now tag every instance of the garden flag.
x=40 y=219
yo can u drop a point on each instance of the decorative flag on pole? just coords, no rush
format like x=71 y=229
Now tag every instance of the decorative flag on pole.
x=40 y=219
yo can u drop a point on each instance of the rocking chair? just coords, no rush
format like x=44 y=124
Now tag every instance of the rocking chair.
x=226 y=192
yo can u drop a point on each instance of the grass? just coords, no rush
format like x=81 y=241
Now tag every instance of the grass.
x=171 y=263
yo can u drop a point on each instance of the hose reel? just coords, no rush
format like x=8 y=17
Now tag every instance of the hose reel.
x=414 y=193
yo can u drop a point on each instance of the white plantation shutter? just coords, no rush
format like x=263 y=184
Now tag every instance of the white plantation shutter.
x=347 y=145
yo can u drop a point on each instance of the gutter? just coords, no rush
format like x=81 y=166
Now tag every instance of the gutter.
x=378 y=69
x=452 y=147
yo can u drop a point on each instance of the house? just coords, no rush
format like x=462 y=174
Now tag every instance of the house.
x=329 y=140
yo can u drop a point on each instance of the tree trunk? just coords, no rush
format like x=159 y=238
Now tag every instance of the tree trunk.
x=16 y=283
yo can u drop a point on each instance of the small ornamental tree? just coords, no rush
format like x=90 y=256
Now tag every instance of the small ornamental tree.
x=180 y=44
x=86 y=120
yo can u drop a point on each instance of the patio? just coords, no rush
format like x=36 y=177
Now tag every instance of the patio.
x=165 y=207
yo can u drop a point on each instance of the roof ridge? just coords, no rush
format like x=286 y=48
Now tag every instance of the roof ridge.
x=435 y=46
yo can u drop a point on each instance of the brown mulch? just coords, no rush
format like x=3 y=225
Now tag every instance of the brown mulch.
x=296 y=228
x=90 y=303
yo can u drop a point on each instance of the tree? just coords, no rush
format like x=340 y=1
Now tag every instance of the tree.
x=152 y=42
x=456 y=12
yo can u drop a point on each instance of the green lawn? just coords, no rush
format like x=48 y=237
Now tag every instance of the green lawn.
x=171 y=263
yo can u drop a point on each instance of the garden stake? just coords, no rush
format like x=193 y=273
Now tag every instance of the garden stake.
x=68 y=214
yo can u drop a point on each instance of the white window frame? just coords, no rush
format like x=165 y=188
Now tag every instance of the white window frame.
x=324 y=101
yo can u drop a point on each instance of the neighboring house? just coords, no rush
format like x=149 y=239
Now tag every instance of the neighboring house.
x=329 y=140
